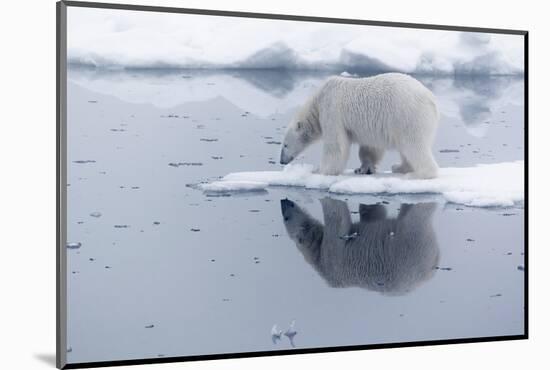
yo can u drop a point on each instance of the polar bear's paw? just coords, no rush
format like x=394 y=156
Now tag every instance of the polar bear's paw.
x=365 y=170
x=400 y=168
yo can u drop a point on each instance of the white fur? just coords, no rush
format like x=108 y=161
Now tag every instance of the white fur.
x=391 y=111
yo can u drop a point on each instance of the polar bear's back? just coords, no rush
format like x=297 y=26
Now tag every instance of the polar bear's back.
x=385 y=110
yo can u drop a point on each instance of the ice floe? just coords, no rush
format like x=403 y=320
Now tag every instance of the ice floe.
x=484 y=185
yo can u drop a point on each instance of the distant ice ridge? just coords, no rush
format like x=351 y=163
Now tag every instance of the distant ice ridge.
x=116 y=39
x=485 y=185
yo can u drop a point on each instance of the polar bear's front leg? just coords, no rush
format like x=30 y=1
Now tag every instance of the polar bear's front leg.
x=335 y=154
x=369 y=158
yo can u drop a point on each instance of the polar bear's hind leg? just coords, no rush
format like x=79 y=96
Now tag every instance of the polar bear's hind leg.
x=422 y=162
x=404 y=167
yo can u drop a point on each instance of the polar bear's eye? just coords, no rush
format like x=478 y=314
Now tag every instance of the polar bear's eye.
x=286 y=145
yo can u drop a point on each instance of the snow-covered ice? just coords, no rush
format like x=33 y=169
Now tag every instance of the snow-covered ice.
x=121 y=39
x=232 y=186
x=484 y=185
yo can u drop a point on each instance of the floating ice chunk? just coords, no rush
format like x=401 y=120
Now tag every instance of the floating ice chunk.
x=95 y=214
x=178 y=164
x=484 y=185
x=74 y=245
x=275 y=333
x=290 y=333
x=233 y=186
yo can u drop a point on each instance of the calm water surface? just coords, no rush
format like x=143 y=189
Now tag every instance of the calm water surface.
x=164 y=270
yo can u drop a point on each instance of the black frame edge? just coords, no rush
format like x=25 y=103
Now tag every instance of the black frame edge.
x=162 y=360
x=61 y=200
x=526 y=181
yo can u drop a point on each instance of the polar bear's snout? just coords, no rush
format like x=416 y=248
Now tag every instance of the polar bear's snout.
x=285 y=157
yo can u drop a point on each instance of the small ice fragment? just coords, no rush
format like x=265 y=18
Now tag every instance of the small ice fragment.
x=496 y=295
x=275 y=333
x=449 y=151
x=74 y=245
x=350 y=236
x=92 y=101
x=233 y=186
x=443 y=268
x=521 y=268
x=107 y=267
x=273 y=142
x=69 y=350
x=178 y=164
x=195 y=230
x=95 y=214
x=84 y=161
x=470 y=240
x=208 y=140
x=290 y=333
x=156 y=223
x=392 y=233
x=149 y=326
x=121 y=226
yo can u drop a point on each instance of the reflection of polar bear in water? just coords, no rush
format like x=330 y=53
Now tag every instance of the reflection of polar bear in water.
x=388 y=111
x=388 y=255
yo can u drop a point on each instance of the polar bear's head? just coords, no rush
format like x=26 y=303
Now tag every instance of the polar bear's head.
x=303 y=131
x=296 y=140
x=299 y=135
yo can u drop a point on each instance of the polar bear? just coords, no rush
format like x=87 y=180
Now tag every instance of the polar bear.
x=390 y=255
x=390 y=111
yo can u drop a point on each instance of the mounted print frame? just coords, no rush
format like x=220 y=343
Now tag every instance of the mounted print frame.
x=236 y=184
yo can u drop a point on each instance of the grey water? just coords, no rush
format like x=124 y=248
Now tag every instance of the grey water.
x=163 y=270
